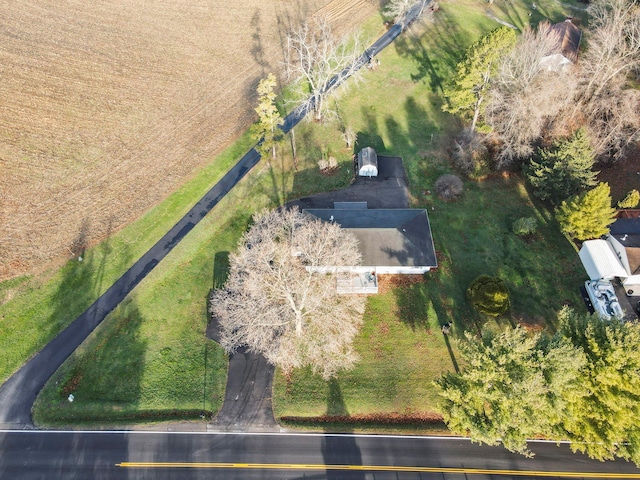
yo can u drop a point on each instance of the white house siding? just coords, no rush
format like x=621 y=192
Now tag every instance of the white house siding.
x=631 y=283
x=402 y=270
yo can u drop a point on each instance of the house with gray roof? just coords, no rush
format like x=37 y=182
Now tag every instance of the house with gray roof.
x=391 y=241
x=617 y=254
x=624 y=238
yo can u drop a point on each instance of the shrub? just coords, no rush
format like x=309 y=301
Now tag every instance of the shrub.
x=631 y=200
x=470 y=156
x=489 y=295
x=448 y=187
x=525 y=226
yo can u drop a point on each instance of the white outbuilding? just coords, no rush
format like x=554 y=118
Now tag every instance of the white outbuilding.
x=367 y=162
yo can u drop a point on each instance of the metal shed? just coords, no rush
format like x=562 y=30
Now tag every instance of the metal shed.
x=368 y=162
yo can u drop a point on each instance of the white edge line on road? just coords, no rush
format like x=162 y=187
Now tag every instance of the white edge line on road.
x=260 y=434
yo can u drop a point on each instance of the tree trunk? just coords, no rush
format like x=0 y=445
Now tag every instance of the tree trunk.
x=293 y=149
x=476 y=114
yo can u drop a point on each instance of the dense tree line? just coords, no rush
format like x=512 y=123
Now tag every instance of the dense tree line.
x=581 y=384
x=520 y=100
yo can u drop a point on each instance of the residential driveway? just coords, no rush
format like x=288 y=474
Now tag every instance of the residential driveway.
x=387 y=190
x=247 y=402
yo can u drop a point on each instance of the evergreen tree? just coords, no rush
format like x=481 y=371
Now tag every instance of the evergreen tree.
x=631 y=200
x=511 y=388
x=267 y=130
x=563 y=170
x=470 y=85
x=603 y=422
x=587 y=215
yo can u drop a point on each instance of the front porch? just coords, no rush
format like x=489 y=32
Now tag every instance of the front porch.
x=356 y=282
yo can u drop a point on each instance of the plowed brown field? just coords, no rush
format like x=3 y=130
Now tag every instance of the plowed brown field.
x=106 y=106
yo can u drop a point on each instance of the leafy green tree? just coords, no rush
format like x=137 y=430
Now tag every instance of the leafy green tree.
x=563 y=170
x=267 y=130
x=587 y=215
x=489 y=295
x=603 y=422
x=472 y=78
x=511 y=388
x=631 y=200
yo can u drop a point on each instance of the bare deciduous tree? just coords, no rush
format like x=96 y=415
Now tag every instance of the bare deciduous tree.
x=613 y=50
x=317 y=60
x=397 y=8
x=613 y=44
x=613 y=121
x=525 y=96
x=272 y=302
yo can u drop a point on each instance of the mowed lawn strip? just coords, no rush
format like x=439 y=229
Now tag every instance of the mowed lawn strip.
x=402 y=350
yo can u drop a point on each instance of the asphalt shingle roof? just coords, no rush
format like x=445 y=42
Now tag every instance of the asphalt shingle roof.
x=387 y=237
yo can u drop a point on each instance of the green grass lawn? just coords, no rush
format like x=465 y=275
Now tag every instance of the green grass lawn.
x=398 y=111
x=402 y=350
x=150 y=360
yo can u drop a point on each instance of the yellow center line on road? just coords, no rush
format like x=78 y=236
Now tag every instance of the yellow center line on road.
x=377 y=468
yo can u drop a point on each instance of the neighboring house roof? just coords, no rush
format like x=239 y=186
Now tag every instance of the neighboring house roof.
x=600 y=261
x=627 y=232
x=569 y=36
x=387 y=237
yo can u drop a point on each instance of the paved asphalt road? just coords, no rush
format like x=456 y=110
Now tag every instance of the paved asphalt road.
x=142 y=455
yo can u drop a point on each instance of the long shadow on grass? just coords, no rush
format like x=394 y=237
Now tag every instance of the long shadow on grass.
x=340 y=449
x=83 y=276
x=426 y=62
x=407 y=141
x=104 y=377
x=369 y=136
x=220 y=268
x=453 y=358
x=82 y=280
x=434 y=59
x=412 y=302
